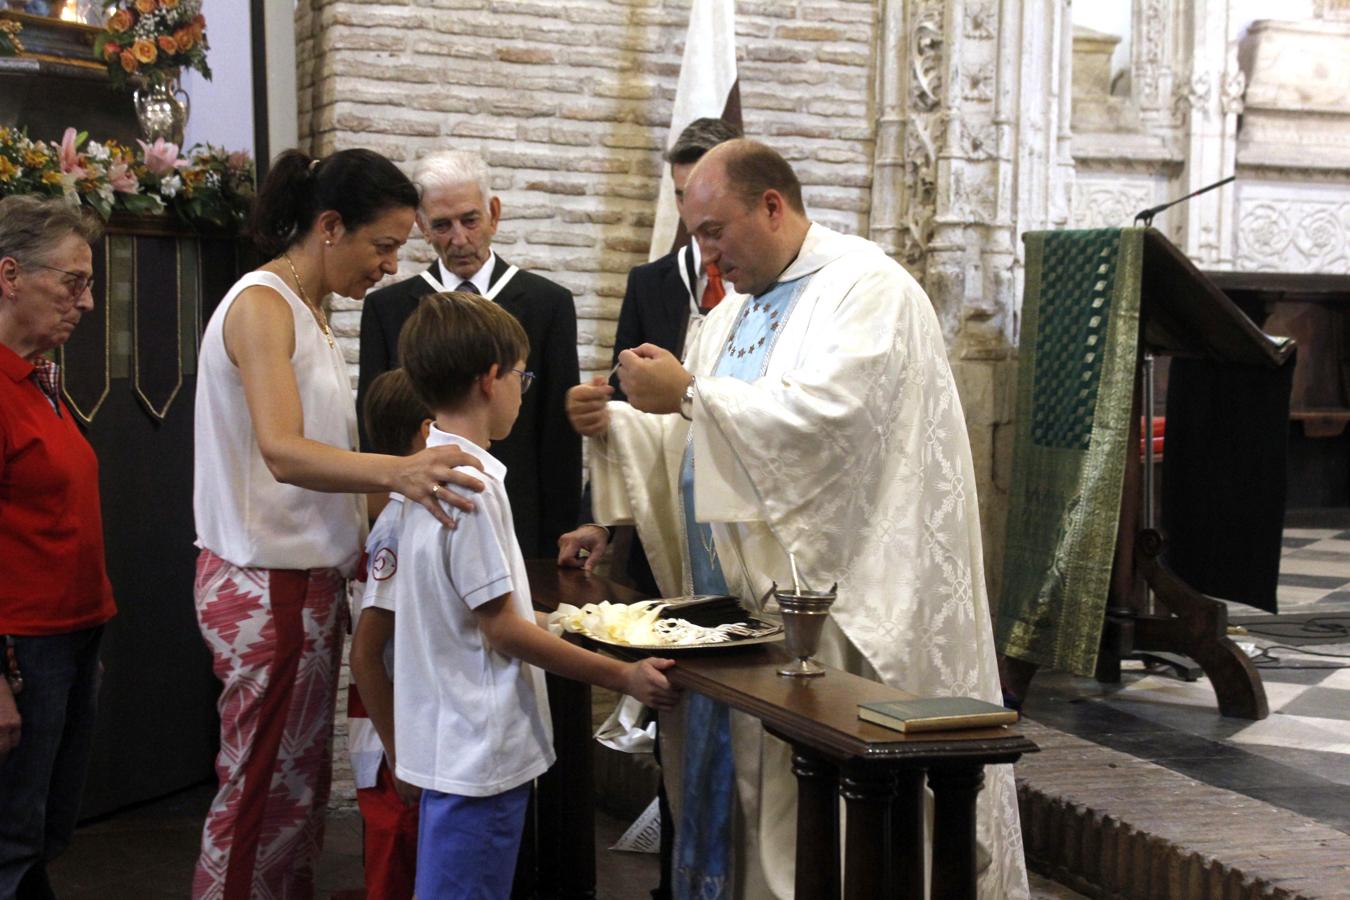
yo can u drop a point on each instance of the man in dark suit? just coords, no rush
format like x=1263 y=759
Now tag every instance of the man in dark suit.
x=666 y=299
x=458 y=216
x=664 y=303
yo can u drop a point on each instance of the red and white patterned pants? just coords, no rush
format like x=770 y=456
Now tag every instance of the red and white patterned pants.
x=275 y=644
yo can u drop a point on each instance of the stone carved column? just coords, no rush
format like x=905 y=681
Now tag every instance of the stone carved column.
x=1207 y=104
x=972 y=149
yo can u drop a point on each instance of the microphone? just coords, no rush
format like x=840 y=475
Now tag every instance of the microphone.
x=1147 y=215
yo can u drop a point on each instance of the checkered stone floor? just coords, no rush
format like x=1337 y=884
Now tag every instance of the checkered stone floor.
x=1299 y=756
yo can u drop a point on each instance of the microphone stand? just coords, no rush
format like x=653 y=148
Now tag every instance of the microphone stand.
x=1146 y=217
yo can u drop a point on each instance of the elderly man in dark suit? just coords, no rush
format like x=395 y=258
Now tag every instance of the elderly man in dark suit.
x=458 y=216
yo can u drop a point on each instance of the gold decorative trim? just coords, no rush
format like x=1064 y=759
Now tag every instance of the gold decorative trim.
x=159 y=414
x=88 y=418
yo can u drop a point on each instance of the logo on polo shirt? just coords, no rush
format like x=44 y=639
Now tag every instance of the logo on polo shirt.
x=384 y=564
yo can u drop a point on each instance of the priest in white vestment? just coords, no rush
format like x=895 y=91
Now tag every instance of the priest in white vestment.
x=817 y=416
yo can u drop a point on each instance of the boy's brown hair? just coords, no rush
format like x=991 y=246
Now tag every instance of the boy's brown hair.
x=451 y=339
x=393 y=413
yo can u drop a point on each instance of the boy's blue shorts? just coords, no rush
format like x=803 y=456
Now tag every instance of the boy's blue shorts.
x=467 y=846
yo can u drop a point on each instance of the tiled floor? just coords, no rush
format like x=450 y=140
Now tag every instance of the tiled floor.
x=148 y=853
x=1298 y=757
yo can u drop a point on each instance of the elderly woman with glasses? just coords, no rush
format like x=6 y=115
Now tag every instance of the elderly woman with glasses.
x=54 y=596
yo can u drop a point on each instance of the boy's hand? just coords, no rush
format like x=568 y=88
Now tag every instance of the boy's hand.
x=410 y=794
x=592 y=538
x=423 y=473
x=586 y=409
x=645 y=681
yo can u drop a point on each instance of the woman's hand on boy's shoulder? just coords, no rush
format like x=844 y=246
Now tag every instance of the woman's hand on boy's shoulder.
x=647 y=682
x=423 y=474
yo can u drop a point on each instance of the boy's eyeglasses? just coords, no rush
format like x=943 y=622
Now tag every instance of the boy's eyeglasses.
x=526 y=379
x=78 y=283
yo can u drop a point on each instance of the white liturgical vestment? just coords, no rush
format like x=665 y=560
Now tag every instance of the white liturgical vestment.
x=851 y=452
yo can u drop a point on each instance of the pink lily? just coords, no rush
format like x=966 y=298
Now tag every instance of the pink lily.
x=70 y=157
x=161 y=158
x=123 y=179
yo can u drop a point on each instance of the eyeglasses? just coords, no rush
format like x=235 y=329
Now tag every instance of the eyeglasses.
x=526 y=379
x=78 y=286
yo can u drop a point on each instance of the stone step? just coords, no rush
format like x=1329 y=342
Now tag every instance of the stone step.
x=1112 y=825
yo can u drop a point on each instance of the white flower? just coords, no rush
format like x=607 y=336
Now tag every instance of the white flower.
x=170 y=186
x=95 y=150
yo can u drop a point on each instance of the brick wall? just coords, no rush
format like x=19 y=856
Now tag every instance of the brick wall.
x=569 y=101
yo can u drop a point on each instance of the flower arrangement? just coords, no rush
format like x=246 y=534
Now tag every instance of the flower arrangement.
x=208 y=186
x=152 y=40
x=10 y=45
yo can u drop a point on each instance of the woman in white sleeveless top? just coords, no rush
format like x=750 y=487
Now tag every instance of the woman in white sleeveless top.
x=279 y=509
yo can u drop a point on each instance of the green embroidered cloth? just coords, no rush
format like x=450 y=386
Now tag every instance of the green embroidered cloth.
x=1075 y=384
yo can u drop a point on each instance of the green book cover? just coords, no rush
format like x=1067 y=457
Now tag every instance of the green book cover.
x=936 y=714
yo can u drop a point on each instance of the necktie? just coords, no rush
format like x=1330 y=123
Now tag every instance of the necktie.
x=713 y=292
x=468 y=287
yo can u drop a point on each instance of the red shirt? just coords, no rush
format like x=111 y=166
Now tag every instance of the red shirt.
x=52 y=574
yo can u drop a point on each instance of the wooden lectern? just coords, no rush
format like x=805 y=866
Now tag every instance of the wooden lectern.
x=1179 y=313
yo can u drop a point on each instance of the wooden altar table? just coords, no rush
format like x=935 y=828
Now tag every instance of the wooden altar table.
x=880 y=773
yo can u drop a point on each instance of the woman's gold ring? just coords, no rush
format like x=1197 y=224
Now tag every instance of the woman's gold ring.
x=434 y=488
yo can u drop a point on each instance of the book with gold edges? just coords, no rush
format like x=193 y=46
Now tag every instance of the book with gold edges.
x=936 y=714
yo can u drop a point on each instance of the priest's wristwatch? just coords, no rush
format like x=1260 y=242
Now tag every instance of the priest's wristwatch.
x=687 y=400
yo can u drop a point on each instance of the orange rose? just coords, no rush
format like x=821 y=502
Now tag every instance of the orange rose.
x=145 y=7
x=144 y=51
x=169 y=4
x=129 y=64
x=184 y=39
x=110 y=51
x=167 y=44
x=119 y=21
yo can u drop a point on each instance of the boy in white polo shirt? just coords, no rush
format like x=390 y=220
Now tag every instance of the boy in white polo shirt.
x=470 y=708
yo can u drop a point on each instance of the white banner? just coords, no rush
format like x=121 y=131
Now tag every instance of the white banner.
x=707 y=74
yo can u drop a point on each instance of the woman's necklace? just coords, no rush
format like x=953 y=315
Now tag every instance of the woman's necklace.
x=318 y=314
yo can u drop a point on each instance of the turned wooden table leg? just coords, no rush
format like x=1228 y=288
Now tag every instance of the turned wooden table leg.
x=907 y=819
x=954 y=791
x=867 y=791
x=817 y=873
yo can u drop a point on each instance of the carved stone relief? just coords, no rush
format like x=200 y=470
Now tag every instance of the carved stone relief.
x=1191 y=97
x=1294 y=235
x=922 y=131
x=981 y=19
x=1109 y=205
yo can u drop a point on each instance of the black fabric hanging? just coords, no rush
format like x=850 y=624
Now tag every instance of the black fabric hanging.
x=157 y=373
x=1224 y=479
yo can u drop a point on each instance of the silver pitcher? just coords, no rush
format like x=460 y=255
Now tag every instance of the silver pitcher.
x=162 y=109
x=804 y=613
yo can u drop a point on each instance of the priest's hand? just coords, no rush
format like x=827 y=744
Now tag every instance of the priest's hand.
x=593 y=539
x=653 y=379
x=586 y=406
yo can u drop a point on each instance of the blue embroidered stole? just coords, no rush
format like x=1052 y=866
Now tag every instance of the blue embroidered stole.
x=702 y=857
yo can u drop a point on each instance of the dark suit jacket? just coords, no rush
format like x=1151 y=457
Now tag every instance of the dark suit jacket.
x=655 y=308
x=655 y=311
x=542 y=454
